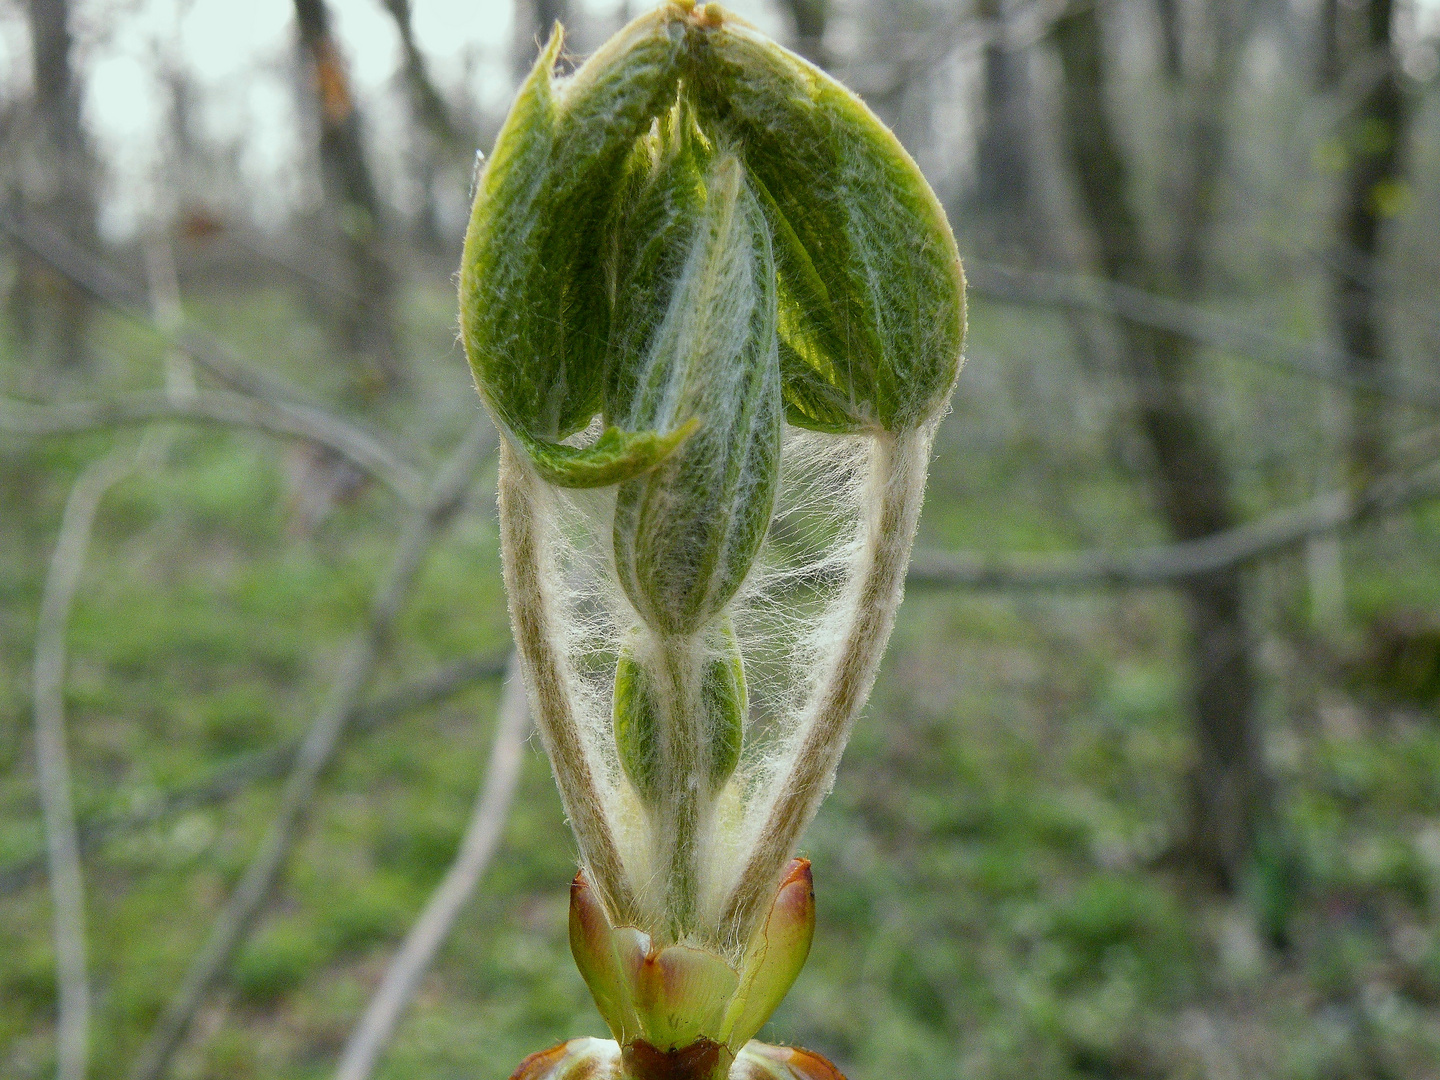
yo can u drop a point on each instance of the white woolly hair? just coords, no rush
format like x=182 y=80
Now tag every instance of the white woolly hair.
x=811 y=619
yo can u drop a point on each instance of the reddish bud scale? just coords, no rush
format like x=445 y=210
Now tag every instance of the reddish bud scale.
x=599 y=1059
x=760 y=1061
x=681 y=1012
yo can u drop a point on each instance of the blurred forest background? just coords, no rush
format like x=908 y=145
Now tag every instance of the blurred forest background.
x=1150 y=783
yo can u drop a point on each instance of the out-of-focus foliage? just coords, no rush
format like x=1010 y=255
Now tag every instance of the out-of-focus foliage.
x=1001 y=891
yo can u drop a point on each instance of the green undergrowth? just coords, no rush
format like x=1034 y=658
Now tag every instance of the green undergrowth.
x=999 y=887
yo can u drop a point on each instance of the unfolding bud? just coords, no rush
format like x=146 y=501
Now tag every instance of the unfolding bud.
x=693 y=340
x=640 y=722
x=662 y=1002
x=694 y=239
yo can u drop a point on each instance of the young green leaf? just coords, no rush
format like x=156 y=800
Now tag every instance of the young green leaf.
x=871 y=308
x=637 y=726
x=695 y=331
x=640 y=723
x=534 y=312
x=725 y=701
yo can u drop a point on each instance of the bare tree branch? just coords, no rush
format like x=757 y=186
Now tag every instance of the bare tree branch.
x=299 y=418
x=84 y=270
x=1174 y=563
x=1142 y=308
x=62 y=846
x=237 y=775
x=482 y=836
x=369 y=452
x=1375 y=140
x=447 y=494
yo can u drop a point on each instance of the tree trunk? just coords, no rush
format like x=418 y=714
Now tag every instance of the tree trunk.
x=1169 y=15
x=55 y=310
x=1327 y=53
x=1373 y=184
x=1002 y=190
x=810 y=18
x=368 y=321
x=1230 y=792
x=440 y=145
x=425 y=100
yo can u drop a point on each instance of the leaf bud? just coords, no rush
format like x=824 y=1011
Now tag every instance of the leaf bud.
x=693 y=342
x=640 y=724
x=669 y=1002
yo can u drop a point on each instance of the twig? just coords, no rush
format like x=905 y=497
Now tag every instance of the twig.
x=62 y=845
x=367 y=451
x=1189 y=321
x=89 y=274
x=982 y=279
x=1172 y=563
x=482 y=836
x=234 y=921
x=237 y=775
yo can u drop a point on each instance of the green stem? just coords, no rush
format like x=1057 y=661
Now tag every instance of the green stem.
x=683 y=768
x=529 y=577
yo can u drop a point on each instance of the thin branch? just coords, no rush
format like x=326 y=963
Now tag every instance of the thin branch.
x=62 y=846
x=237 y=775
x=210 y=352
x=1136 y=306
x=482 y=837
x=369 y=452
x=316 y=752
x=1173 y=563
x=932 y=569
x=989 y=280
x=84 y=270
